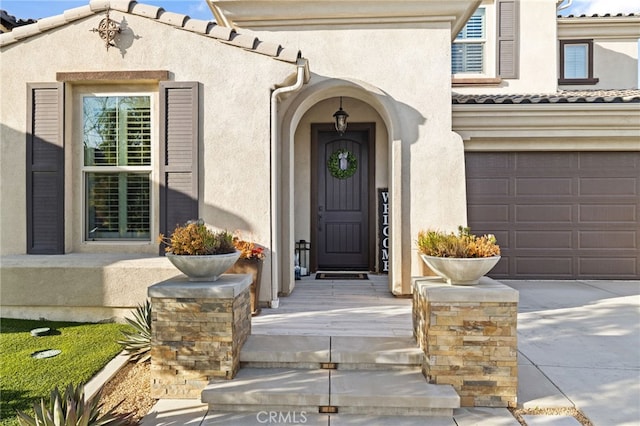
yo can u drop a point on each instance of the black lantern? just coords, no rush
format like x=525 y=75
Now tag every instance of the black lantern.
x=341 y=119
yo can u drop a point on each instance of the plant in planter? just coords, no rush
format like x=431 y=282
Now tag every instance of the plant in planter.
x=460 y=258
x=199 y=252
x=250 y=262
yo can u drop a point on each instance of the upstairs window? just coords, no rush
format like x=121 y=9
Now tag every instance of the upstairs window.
x=117 y=167
x=576 y=62
x=467 y=50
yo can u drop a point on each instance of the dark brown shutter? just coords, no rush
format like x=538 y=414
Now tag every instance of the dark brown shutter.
x=508 y=45
x=179 y=154
x=45 y=169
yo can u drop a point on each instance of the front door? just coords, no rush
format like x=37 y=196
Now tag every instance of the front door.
x=342 y=177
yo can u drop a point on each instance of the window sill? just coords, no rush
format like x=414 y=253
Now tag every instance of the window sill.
x=578 y=81
x=481 y=81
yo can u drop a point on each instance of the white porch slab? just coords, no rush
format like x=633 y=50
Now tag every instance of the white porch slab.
x=362 y=420
x=390 y=392
x=344 y=308
x=607 y=396
x=484 y=416
x=286 y=349
x=535 y=390
x=280 y=387
x=266 y=417
x=541 y=420
x=166 y=412
x=375 y=350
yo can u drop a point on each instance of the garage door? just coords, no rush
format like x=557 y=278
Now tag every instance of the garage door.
x=558 y=215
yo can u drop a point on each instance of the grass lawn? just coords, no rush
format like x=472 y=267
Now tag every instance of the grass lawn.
x=86 y=348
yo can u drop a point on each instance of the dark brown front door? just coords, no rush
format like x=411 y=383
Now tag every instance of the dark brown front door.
x=341 y=195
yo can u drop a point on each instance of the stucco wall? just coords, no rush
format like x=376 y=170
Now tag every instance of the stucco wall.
x=615 y=65
x=425 y=159
x=615 y=48
x=235 y=89
x=537 y=51
x=230 y=80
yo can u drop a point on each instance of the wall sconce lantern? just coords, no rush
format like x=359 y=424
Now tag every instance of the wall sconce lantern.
x=341 y=119
x=107 y=30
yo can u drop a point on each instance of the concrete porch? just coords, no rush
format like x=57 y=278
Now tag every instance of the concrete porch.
x=359 y=326
x=553 y=370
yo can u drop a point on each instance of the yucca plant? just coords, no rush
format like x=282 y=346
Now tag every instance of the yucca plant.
x=137 y=343
x=71 y=409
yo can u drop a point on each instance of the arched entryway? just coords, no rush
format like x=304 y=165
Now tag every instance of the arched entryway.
x=307 y=139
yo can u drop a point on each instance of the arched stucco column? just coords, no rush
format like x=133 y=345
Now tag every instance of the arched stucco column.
x=292 y=110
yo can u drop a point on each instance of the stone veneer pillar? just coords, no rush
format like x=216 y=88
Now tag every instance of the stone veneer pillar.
x=198 y=329
x=468 y=335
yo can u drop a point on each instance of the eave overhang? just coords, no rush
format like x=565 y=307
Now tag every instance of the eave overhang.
x=281 y=14
x=491 y=127
x=615 y=27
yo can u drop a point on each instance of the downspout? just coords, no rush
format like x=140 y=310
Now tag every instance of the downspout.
x=275 y=130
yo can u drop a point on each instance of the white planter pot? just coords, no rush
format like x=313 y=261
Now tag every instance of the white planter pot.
x=204 y=267
x=460 y=271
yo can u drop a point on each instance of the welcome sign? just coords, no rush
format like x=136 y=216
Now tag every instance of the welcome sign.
x=383 y=230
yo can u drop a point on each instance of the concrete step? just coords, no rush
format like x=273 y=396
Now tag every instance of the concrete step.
x=378 y=393
x=314 y=419
x=365 y=353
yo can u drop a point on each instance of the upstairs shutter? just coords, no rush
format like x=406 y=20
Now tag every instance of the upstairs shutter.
x=179 y=154
x=45 y=169
x=507 y=38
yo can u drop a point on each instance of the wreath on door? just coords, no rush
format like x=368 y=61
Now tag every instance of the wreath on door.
x=342 y=164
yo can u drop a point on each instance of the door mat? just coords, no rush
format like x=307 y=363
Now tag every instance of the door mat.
x=341 y=276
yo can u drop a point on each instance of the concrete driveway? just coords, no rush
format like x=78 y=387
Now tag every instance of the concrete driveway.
x=579 y=343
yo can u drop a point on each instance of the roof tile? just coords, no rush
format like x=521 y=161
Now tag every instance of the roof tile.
x=197 y=26
x=289 y=55
x=7 y=38
x=24 y=31
x=77 y=13
x=221 y=33
x=243 y=40
x=45 y=24
x=146 y=10
x=267 y=48
x=562 y=96
x=211 y=29
x=172 y=18
x=604 y=15
x=121 y=5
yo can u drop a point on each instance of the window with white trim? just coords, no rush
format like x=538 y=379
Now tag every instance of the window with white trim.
x=468 y=49
x=117 y=167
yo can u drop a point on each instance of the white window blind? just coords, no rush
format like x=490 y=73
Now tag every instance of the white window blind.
x=117 y=166
x=467 y=51
x=576 y=61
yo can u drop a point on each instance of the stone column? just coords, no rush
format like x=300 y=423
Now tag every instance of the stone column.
x=198 y=329
x=468 y=335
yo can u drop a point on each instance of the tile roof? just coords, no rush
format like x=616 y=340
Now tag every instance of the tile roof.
x=9 y=22
x=562 y=96
x=206 y=28
x=604 y=15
